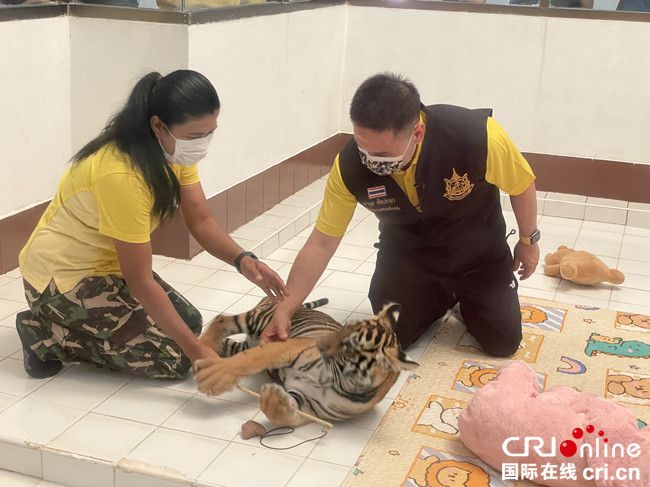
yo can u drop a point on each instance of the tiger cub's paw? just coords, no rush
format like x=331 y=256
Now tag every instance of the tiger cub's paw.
x=279 y=406
x=214 y=376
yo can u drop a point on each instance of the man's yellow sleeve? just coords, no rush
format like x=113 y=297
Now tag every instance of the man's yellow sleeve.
x=506 y=168
x=338 y=205
x=123 y=207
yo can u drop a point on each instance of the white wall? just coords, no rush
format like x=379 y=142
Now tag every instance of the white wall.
x=573 y=87
x=278 y=78
x=34 y=110
x=561 y=86
x=107 y=58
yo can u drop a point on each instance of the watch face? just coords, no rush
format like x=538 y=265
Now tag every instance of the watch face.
x=534 y=238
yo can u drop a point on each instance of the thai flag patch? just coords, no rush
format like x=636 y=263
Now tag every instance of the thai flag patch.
x=376 y=192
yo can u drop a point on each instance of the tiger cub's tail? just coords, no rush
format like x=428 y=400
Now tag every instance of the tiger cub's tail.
x=316 y=303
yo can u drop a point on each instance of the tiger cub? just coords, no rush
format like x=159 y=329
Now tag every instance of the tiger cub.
x=325 y=369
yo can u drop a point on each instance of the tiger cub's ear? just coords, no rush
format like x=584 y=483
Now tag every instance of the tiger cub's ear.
x=397 y=361
x=390 y=313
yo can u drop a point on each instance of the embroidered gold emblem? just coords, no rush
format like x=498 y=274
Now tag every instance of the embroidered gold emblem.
x=457 y=187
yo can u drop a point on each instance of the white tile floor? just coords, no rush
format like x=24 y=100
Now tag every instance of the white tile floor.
x=111 y=418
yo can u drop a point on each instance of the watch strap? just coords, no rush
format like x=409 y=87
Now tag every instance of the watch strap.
x=238 y=259
x=532 y=239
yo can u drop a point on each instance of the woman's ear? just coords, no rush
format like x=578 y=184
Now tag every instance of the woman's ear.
x=157 y=126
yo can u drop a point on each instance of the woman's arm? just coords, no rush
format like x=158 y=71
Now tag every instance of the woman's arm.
x=203 y=226
x=218 y=243
x=135 y=262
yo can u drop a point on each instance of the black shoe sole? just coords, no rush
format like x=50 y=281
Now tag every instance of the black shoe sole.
x=40 y=369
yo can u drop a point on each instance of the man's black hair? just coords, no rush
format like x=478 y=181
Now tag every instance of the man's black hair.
x=385 y=101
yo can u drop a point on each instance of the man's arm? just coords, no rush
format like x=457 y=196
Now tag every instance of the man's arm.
x=334 y=216
x=507 y=169
x=305 y=272
x=524 y=206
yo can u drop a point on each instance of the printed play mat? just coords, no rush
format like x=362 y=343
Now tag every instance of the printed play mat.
x=595 y=350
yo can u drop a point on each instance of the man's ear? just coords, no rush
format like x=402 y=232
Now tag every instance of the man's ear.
x=418 y=133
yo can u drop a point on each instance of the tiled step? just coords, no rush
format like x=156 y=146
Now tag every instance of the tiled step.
x=588 y=208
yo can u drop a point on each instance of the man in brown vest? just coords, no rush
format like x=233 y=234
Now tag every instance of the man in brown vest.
x=431 y=175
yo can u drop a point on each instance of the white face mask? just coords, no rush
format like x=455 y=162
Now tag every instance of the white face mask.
x=383 y=166
x=188 y=152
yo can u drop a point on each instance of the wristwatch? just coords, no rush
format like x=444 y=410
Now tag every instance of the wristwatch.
x=240 y=257
x=533 y=239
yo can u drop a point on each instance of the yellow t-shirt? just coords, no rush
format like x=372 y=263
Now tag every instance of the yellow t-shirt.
x=506 y=168
x=101 y=198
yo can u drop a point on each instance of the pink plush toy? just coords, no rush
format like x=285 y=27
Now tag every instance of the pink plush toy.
x=509 y=417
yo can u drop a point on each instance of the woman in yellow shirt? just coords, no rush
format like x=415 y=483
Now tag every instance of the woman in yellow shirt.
x=87 y=267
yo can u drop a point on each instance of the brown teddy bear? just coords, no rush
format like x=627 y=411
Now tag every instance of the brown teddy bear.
x=580 y=267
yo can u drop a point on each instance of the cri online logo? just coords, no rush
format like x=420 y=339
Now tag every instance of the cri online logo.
x=516 y=446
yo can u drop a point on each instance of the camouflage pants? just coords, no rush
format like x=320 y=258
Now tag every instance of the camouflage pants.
x=100 y=322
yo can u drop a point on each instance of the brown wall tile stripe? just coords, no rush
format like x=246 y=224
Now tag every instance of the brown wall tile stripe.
x=244 y=201
x=232 y=208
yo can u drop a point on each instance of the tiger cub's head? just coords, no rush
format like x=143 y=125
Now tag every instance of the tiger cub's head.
x=365 y=344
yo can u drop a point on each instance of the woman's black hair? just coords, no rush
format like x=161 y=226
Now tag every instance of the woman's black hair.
x=175 y=98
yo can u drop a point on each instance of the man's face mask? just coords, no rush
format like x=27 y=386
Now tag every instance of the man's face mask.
x=188 y=152
x=383 y=166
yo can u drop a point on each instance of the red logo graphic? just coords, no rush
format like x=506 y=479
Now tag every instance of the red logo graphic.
x=568 y=448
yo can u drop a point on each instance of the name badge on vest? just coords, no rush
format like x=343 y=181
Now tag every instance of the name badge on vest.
x=457 y=187
x=379 y=200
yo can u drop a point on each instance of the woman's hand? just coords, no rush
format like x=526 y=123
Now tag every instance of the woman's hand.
x=266 y=278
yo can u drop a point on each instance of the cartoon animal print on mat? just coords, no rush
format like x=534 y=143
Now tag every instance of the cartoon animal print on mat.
x=542 y=317
x=528 y=348
x=574 y=366
x=625 y=387
x=436 y=468
x=616 y=346
x=473 y=375
x=439 y=417
x=632 y=322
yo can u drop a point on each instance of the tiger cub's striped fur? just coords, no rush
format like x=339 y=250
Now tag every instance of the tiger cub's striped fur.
x=334 y=372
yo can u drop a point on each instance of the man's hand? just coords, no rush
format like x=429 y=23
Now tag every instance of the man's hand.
x=526 y=258
x=278 y=328
x=266 y=278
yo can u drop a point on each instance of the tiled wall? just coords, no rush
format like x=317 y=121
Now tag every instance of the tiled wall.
x=591 y=177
